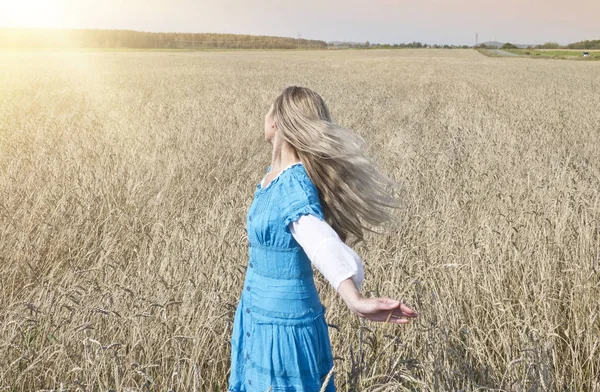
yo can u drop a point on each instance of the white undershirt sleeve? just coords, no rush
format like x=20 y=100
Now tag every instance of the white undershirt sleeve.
x=326 y=251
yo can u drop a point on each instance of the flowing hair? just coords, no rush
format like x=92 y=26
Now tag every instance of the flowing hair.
x=353 y=192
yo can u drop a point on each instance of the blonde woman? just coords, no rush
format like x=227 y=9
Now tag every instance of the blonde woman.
x=319 y=192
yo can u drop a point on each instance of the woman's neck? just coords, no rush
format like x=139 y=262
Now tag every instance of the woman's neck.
x=283 y=155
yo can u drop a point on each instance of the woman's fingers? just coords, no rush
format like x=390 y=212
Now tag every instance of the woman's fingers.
x=384 y=309
x=396 y=319
x=400 y=314
x=408 y=311
x=400 y=321
x=388 y=303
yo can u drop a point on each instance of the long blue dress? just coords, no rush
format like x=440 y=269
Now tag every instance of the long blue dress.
x=280 y=337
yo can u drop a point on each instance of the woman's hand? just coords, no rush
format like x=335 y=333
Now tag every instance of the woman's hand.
x=375 y=309
x=383 y=309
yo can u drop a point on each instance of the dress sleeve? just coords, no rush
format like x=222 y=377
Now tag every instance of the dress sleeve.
x=326 y=251
x=301 y=198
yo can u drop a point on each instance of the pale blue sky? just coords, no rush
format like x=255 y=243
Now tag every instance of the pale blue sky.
x=383 y=21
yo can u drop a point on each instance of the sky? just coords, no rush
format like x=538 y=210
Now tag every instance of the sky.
x=377 y=21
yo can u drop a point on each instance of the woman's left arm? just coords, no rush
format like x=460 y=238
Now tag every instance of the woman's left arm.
x=343 y=269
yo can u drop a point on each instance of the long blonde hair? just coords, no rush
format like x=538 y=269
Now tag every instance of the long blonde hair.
x=354 y=193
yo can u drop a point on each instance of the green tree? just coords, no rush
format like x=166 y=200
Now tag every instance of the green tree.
x=548 y=45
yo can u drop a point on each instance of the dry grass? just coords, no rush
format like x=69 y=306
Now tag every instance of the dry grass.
x=125 y=179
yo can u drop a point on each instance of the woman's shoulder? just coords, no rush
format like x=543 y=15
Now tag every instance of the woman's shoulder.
x=299 y=196
x=298 y=183
x=300 y=179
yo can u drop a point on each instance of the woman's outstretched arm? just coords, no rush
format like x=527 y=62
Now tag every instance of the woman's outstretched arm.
x=343 y=268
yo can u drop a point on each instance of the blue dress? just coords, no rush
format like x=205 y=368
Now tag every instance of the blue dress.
x=280 y=337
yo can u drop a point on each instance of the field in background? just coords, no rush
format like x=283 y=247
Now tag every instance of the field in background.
x=559 y=54
x=125 y=179
x=563 y=54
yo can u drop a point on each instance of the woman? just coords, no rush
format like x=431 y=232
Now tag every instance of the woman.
x=319 y=191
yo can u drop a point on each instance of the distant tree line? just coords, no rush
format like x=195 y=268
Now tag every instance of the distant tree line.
x=508 y=45
x=95 y=38
x=419 y=45
x=594 y=44
x=547 y=45
x=414 y=45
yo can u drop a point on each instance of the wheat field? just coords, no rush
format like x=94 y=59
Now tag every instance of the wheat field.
x=125 y=179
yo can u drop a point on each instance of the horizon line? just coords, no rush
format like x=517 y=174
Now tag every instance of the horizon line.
x=259 y=35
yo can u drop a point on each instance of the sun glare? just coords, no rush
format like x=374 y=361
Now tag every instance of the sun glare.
x=31 y=13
